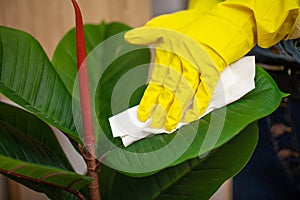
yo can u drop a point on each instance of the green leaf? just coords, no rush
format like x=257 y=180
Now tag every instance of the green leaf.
x=33 y=127
x=54 y=182
x=193 y=179
x=27 y=158
x=27 y=77
x=122 y=78
x=64 y=57
x=160 y=151
x=54 y=193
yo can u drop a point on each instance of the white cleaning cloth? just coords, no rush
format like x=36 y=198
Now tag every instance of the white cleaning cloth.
x=235 y=81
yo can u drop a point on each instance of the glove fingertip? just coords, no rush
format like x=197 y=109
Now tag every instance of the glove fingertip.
x=139 y=36
x=131 y=37
x=189 y=117
x=142 y=115
x=172 y=122
x=158 y=117
x=170 y=127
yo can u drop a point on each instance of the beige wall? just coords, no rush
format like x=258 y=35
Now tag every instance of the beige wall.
x=48 y=21
x=224 y=192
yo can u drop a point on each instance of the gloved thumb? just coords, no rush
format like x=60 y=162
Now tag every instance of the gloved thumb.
x=144 y=36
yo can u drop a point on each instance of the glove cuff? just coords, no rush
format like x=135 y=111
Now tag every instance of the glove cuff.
x=226 y=32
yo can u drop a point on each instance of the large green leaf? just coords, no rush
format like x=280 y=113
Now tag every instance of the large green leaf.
x=27 y=77
x=200 y=137
x=33 y=127
x=31 y=155
x=122 y=77
x=64 y=57
x=64 y=60
x=54 y=182
x=193 y=179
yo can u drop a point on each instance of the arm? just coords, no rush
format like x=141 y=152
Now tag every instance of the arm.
x=196 y=45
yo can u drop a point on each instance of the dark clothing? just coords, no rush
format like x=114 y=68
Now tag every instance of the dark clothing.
x=269 y=175
x=273 y=172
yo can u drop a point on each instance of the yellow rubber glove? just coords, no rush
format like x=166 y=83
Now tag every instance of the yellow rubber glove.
x=193 y=47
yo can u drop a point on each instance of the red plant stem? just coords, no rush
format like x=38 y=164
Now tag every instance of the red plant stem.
x=85 y=104
x=39 y=181
x=85 y=101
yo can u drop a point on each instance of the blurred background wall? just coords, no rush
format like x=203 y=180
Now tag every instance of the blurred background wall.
x=49 y=20
x=167 y=6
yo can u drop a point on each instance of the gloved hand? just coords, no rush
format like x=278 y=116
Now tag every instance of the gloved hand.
x=184 y=68
x=191 y=51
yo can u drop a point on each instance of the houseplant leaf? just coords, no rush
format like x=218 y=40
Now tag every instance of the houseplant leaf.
x=64 y=57
x=31 y=156
x=193 y=179
x=112 y=98
x=54 y=182
x=195 y=139
x=33 y=127
x=27 y=77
